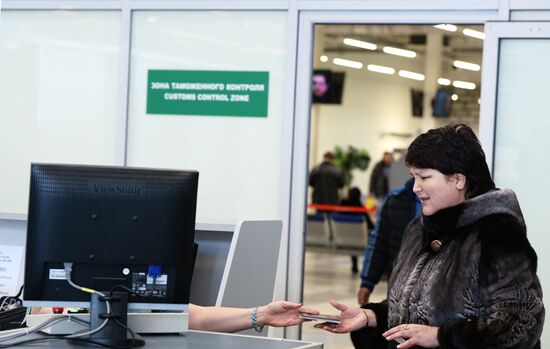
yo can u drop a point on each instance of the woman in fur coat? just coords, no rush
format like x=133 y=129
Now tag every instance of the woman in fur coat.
x=465 y=276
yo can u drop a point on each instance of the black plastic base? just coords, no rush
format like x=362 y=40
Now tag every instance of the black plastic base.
x=114 y=333
x=102 y=342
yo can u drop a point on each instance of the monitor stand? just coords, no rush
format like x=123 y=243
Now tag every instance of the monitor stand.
x=115 y=332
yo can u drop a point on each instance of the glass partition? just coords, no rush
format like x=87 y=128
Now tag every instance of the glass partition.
x=60 y=94
x=238 y=158
x=521 y=137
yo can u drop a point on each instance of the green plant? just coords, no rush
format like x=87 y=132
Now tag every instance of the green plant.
x=350 y=159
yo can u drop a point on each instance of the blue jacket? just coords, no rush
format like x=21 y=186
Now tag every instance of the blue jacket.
x=399 y=207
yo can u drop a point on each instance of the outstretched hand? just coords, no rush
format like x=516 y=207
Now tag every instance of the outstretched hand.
x=353 y=318
x=282 y=314
x=419 y=335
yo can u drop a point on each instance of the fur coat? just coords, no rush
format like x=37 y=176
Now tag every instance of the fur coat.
x=480 y=286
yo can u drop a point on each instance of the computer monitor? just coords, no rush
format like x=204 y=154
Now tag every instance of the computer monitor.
x=117 y=226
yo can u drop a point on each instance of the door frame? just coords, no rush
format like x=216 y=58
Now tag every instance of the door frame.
x=494 y=32
x=461 y=13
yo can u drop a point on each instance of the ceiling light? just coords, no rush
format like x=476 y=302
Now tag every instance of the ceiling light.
x=464 y=84
x=454 y=97
x=347 y=63
x=323 y=59
x=474 y=33
x=380 y=69
x=359 y=43
x=479 y=101
x=411 y=75
x=467 y=65
x=443 y=81
x=399 y=52
x=447 y=27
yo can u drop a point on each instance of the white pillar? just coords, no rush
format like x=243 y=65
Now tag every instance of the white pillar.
x=432 y=71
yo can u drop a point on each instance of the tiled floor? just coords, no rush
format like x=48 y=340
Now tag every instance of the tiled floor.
x=328 y=276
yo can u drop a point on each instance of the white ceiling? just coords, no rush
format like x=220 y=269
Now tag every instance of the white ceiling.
x=456 y=46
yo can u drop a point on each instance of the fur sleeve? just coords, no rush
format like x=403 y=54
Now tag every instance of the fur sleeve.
x=510 y=292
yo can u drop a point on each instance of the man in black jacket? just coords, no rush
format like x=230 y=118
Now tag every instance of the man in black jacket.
x=379 y=183
x=326 y=179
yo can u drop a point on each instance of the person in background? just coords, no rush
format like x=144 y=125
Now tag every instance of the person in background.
x=400 y=206
x=354 y=200
x=326 y=179
x=465 y=276
x=379 y=182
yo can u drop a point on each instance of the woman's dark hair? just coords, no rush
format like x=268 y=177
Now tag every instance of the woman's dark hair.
x=453 y=149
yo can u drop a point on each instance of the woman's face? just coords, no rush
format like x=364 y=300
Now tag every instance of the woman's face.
x=437 y=191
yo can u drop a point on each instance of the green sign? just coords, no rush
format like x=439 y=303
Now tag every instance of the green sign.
x=207 y=92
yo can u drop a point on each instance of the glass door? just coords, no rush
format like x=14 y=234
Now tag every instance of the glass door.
x=515 y=125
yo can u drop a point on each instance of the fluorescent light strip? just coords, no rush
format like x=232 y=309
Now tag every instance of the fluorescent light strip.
x=361 y=44
x=467 y=65
x=474 y=33
x=447 y=27
x=347 y=63
x=399 y=52
x=411 y=75
x=443 y=81
x=464 y=84
x=380 y=69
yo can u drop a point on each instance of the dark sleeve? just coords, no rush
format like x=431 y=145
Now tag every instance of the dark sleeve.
x=371 y=338
x=513 y=313
x=374 y=178
x=377 y=256
x=313 y=177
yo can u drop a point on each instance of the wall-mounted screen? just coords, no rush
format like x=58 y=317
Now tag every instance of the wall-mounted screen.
x=442 y=103
x=327 y=86
x=417 y=102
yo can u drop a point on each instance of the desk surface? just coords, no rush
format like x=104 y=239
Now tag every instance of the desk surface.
x=196 y=340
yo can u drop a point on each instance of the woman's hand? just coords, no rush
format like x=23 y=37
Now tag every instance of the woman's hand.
x=420 y=335
x=353 y=318
x=282 y=314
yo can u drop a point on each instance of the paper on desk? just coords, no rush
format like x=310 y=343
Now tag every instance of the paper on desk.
x=10 y=263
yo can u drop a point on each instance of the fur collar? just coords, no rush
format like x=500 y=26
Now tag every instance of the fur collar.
x=446 y=221
x=500 y=201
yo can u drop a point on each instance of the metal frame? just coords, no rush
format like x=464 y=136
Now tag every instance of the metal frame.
x=494 y=32
x=304 y=64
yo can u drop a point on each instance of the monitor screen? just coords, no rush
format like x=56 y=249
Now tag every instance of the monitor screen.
x=417 y=102
x=327 y=86
x=442 y=103
x=117 y=226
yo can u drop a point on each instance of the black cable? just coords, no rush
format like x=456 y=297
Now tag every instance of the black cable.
x=129 y=330
x=20 y=291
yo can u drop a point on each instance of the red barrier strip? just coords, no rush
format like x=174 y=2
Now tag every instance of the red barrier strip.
x=337 y=208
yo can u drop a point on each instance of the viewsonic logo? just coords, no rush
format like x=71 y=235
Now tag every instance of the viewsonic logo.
x=117 y=189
